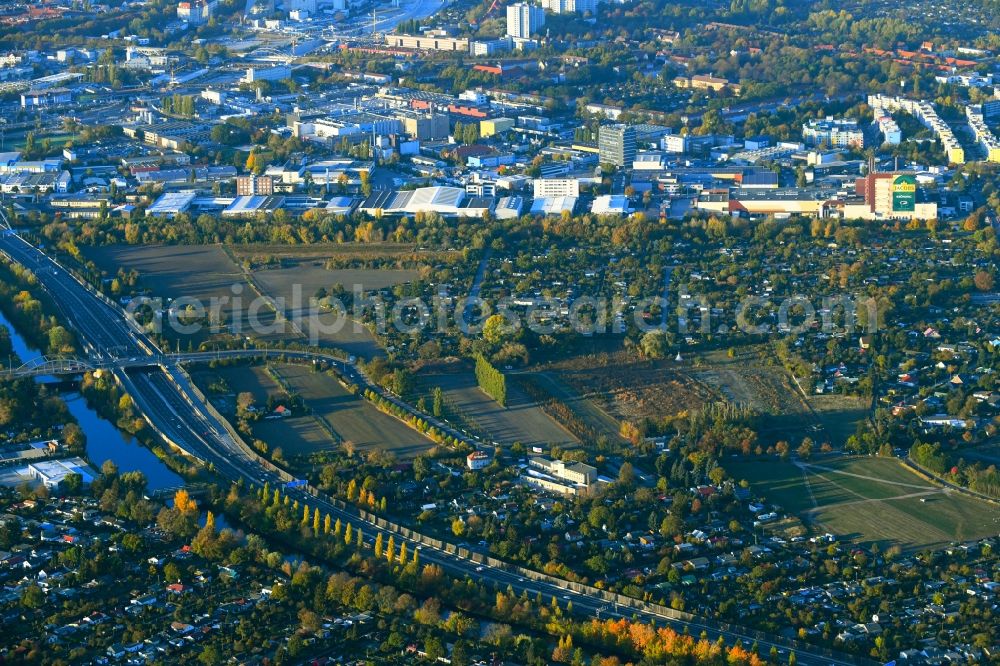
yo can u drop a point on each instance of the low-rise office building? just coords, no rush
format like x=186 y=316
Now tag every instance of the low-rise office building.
x=556 y=187
x=559 y=476
x=430 y=41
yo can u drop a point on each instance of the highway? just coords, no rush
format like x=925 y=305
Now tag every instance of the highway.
x=172 y=406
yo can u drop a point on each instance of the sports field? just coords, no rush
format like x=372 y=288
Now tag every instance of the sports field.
x=869 y=500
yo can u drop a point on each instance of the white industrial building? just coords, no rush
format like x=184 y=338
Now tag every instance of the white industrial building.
x=53 y=472
x=448 y=201
x=267 y=74
x=553 y=205
x=172 y=203
x=611 y=204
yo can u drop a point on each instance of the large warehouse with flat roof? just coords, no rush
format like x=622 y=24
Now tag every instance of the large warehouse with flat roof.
x=449 y=201
x=52 y=472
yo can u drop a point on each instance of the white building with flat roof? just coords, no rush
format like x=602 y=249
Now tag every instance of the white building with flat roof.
x=840 y=132
x=53 y=472
x=611 y=204
x=267 y=74
x=560 y=476
x=553 y=205
x=172 y=203
x=566 y=6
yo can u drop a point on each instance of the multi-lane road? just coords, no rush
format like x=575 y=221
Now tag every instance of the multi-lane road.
x=162 y=391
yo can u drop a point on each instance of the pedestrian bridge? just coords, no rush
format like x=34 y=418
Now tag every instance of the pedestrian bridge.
x=71 y=365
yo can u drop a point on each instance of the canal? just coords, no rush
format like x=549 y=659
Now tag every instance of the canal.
x=104 y=440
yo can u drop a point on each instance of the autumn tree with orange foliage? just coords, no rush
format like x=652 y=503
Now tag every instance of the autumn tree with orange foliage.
x=181 y=520
x=663 y=644
x=183 y=502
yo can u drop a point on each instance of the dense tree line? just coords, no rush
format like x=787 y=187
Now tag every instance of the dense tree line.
x=491 y=380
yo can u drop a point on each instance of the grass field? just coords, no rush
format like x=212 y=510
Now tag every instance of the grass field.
x=353 y=419
x=869 y=500
x=201 y=272
x=297 y=437
x=839 y=414
x=297 y=284
x=522 y=420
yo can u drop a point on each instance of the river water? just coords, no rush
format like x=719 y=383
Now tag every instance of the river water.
x=104 y=440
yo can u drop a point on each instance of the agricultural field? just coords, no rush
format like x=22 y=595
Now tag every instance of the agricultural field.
x=298 y=436
x=353 y=420
x=633 y=390
x=868 y=499
x=295 y=286
x=366 y=254
x=522 y=420
x=311 y=276
x=202 y=272
x=332 y=417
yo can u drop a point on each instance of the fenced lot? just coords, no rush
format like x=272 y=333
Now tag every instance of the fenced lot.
x=332 y=417
x=296 y=285
x=298 y=435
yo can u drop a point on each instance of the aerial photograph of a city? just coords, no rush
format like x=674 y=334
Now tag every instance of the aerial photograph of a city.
x=500 y=332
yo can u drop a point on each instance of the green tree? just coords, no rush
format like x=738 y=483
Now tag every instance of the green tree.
x=654 y=344
x=32 y=597
x=438 y=402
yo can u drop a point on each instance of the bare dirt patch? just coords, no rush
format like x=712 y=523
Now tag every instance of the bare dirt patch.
x=352 y=419
x=632 y=390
